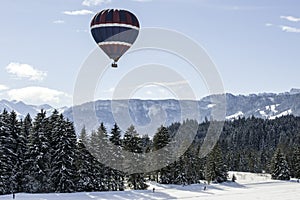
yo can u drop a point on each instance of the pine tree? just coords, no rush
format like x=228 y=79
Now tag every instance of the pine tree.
x=89 y=171
x=117 y=176
x=98 y=147
x=83 y=136
x=39 y=156
x=7 y=155
x=215 y=170
x=102 y=150
x=160 y=140
x=115 y=137
x=22 y=151
x=296 y=161
x=64 y=145
x=23 y=129
x=132 y=143
x=279 y=166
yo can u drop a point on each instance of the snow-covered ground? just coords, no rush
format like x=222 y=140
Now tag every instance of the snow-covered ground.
x=247 y=187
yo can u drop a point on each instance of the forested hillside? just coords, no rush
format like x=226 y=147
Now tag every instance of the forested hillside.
x=44 y=155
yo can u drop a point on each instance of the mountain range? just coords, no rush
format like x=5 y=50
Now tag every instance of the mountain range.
x=147 y=114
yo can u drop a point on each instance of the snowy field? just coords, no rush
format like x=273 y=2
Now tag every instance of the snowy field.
x=247 y=187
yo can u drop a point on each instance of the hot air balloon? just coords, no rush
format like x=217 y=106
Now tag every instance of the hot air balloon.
x=115 y=30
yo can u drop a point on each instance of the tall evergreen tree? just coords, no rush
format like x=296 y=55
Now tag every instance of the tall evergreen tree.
x=279 y=166
x=64 y=145
x=88 y=170
x=23 y=141
x=83 y=136
x=132 y=143
x=39 y=156
x=296 y=161
x=115 y=137
x=7 y=154
x=216 y=170
x=160 y=140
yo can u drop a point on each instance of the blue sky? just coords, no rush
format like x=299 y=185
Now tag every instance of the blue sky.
x=254 y=44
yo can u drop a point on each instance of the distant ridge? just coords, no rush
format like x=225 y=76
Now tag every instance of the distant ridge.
x=141 y=112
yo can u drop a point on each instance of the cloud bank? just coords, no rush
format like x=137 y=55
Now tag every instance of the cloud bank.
x=290 y=29
x=25 y=71
x=95 y=2
x=40 y=95
x=78 y=12
x=290 y=18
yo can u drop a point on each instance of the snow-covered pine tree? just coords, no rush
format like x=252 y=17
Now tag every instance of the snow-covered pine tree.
x=22 y=151
x=115 y=135
x=160 y=140
x=14 y=128
x=64 y=147
x=279 y=166
x=193 y=166
x=115 y=139
x=146 y=144
x=215 y=169
x=88 y=168
x=83 y=137
x=7 y=154
x=178 y=172
x=39 y=156
x=210 y=173
x=106 y=180
x=132 y=143
x=21 y=131
x=296 y=161
x=94 y=148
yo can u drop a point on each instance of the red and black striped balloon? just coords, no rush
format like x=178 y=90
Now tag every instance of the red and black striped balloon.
x=115 y=31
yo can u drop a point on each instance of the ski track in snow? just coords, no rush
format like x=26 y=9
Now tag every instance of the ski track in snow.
x=247 y=187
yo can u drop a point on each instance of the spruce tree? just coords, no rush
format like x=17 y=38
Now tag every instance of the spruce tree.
x=63 y=162
x=23 y=141
x=7 y=156
x=132 y=143
x=296 y=161
x=279 y=166
x=216 y=170
x=22 y=129
x=102 y=150
x=88 y=170
x=160 y=140
x=115 y=137
x=39 y=156
x=83 y=136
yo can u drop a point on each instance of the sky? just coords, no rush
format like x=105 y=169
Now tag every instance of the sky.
x=254 y=45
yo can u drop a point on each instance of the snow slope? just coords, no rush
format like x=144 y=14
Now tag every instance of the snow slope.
x=247 y=187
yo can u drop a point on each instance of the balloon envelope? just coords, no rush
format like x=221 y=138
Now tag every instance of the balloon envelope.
x=115 y=31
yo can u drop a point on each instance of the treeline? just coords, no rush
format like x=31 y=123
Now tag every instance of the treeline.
x=44 y=155
x=256 y=145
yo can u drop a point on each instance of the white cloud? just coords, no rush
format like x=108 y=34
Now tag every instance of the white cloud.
x=269 y=24
x=40 y=95
x=290 y=29
x=290 y=18
x=58 y=22
x=3 y=87
x=25 y=71
x=95 y=2
x=79 y=12
x=81 y=31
